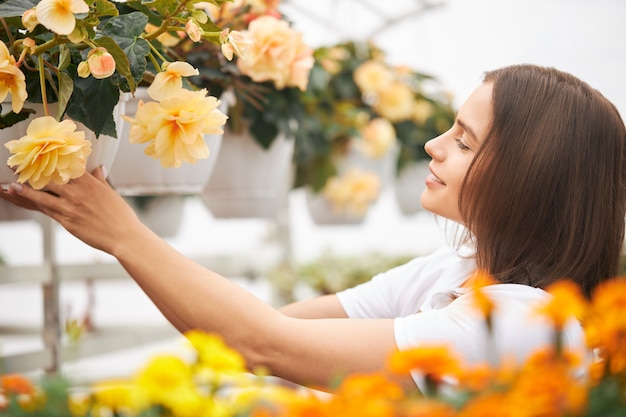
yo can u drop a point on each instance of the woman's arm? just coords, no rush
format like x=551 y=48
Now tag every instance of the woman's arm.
x=192 y=297
x=323 y=307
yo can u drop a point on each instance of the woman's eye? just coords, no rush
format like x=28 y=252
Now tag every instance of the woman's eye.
x=462 y=146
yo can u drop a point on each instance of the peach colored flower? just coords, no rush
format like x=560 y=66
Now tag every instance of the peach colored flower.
x=50 y=151
x=234 y=43
x=378 y=136
x=277 y=54
x=372 y=76
x=193 y=30
x=29 y=19
x=12 y=80
x=395 y=102
x=58 y=15
x=175 y=127
x=170 y=81
x=353 y=192
x=101 y=63
x=422 y=110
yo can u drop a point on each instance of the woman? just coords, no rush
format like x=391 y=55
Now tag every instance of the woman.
x=534 y=167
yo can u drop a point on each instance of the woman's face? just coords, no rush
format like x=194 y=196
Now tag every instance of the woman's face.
x=453 y=151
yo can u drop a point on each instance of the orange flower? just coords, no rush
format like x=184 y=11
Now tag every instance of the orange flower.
x=567 y=302
x=432 y=361
x=16 y=384
x=484 y=304
x=488 y=405
x=425 y=408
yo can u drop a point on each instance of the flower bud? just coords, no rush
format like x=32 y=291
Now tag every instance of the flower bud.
x=83 y=69
x=30 y=44
x=101 y=63
x=29 y=19
x=78 y=35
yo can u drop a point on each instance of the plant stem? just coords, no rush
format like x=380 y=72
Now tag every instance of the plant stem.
x=42 y=83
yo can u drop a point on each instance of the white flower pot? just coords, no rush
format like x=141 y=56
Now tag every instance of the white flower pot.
x=163 y=214
x=103 y=148
x=10 y=212
x=135 y=173
x=249 y=181
x=410 y=183
x=323 y=213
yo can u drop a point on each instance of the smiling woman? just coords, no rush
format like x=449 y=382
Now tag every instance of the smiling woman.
x=513 y=252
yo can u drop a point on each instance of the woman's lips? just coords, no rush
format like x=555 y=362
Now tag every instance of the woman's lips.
x=432 y=179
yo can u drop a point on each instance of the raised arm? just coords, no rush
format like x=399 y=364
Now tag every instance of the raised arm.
x=304 y=351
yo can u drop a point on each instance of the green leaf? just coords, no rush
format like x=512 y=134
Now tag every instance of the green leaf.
x=105 y=8
x=64 y=57
x=66 y=87
x=92 y=103
x=12 y=8
x=125 y=30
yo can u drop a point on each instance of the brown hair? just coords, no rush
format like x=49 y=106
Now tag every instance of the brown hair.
x=545 y=196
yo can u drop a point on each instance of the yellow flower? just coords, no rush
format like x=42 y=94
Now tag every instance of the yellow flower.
x=174 y=128
x=372 y=76
x=424 y=407
x=395 y=102
x=434 y=362
x=29 y=19
x=378 y=137
x=234 y=43
x=353 y=192
x=169 y=81
x=277 y=54
x=12 y=80
x=101 y=63
x=50 y=151
x=58 y=15
x=215 y=354
x=116 y=395
x=566 y=303
x=422 y=110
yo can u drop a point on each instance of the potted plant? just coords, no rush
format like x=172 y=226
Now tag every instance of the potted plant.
x=253 y=173
x=65 y=67
x=362 y=111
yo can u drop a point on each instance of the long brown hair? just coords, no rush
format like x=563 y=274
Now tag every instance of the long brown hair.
x=545 y=196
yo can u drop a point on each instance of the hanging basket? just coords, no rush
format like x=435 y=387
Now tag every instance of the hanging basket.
x=163 y=214
x=323 y=213
x=410 y=183
x=134 y=173
x=249 y=181
x=103 y=148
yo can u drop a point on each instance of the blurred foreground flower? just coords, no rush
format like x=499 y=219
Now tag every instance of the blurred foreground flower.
x=353 y=192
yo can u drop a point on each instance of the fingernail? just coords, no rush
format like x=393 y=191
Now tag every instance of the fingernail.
x=17 y=187
x=104 y=171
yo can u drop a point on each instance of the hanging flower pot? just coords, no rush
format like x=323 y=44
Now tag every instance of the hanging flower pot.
x=410 y=182
x=249 y=181
x=344 y=199
x=163 y=214
x=134 y=173
x=103 y=148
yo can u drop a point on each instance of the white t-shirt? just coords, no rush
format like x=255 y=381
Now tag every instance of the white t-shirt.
x=429 y=307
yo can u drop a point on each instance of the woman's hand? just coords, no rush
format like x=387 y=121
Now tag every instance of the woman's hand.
x=87 y=207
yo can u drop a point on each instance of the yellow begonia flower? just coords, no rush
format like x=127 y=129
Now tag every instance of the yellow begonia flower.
x=395 y=102
x=234 y=43
x=170 y=81
x=12 y=80
x=174 y=128
x=50 y=151
x=58 y=15
x=353 y=192
x=193 y=30
x=277 y=54
x=29 y=19
x=215 y=354
x=372 y=76
x=115 y=395
x=378 y=138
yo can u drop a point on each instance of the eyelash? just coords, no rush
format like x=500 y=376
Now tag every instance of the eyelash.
x=463 y=147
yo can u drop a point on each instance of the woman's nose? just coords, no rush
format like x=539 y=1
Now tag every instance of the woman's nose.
x=434 y=149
